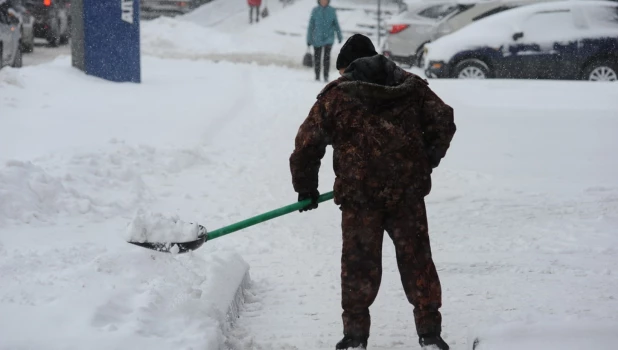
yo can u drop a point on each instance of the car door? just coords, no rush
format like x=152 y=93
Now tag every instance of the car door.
x=543 y=46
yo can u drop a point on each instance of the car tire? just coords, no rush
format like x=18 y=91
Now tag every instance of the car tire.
x=471 y=69
x=64 y=39
x=420 y=56
x=601 y=70
x=53 y=37
x=17 y=61
x=27 y=48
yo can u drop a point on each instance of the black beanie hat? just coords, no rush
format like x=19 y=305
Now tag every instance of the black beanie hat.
x=357 y=46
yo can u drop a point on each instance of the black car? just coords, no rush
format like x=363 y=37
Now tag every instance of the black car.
x=568 y=40
x=51 y=20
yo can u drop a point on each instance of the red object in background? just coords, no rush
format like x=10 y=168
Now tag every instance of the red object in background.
x=254 y=2
x=396 y=28
x=47 y=2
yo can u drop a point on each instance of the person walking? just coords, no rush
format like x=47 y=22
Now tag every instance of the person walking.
x=388 y=131
x=254 y=5
x=323 y=25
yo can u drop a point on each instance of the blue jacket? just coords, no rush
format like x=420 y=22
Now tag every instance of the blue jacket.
x=322 y=27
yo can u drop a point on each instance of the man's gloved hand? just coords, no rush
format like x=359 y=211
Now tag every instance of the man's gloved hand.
x=313 y=195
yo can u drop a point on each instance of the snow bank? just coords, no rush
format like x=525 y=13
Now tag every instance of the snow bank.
x=10 y=76
x=88 y=297
x=157 y=227
x=548 y=335
x=220 y=31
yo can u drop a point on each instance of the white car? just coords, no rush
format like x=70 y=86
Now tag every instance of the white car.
x=428 y=21
x=559 y=40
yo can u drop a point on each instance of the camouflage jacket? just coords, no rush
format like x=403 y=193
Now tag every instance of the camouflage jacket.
x=387 y=128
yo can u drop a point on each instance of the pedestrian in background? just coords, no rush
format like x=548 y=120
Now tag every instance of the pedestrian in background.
x=323 y=25
x=254 y=5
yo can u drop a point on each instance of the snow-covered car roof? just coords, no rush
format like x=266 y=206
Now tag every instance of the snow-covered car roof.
x=493 y=30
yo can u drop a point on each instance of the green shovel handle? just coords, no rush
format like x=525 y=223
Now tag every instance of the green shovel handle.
x=266 y=216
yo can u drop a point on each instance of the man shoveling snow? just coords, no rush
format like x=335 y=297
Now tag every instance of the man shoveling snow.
x=388 y=130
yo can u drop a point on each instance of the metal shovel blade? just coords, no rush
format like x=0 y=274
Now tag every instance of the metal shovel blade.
x=176 y=247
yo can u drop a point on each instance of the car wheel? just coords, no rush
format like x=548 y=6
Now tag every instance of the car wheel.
x=53 y=37
x=27 y=48
x=17 y=61
x=64 y=40
x=420 y=56
x=601 y=71
x=472 y=69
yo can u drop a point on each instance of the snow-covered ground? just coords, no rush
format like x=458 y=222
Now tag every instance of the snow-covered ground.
x=523 y=214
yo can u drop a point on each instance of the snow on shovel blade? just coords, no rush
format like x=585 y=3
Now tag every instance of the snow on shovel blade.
x=175 y=247
x=167 y=234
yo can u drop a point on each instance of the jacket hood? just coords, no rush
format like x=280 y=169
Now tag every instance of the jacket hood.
x=377 y=78
x=327 y=4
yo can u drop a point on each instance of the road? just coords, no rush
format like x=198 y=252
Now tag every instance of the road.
x=44 y=53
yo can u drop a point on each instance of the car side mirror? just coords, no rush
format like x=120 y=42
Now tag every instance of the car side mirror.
x=518 y=36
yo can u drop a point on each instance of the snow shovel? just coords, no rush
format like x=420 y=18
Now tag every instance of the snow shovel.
x=204 y=236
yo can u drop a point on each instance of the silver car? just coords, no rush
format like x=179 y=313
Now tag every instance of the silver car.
x=10 y=52
x=410 y=31
x=26 y=21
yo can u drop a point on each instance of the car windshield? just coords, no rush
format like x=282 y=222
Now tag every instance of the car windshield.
x=438 y=11
x=603 y=16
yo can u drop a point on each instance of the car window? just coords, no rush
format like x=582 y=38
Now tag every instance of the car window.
x=603 y=16
x=492 y=12
x=549 y=24
x=439 y=11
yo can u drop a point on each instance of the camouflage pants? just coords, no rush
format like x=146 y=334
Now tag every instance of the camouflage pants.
x=361 y=262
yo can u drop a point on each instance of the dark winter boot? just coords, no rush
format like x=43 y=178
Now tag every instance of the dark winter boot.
x=432 y=342
x=350 y=342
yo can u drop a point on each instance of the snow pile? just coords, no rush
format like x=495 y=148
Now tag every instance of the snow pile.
x=157 y=227
x=11 y=76
x=220 y=31
x=549 y=335
x=85 y=296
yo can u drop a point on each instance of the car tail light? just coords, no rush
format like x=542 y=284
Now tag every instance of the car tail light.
x=396 y=28
x=47 y=2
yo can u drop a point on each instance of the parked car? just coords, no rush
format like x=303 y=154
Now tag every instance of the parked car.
x=429 y=21
x=26 y=21
x=51 y=20
x=558 y=40
x=10 y=36
x=155 y=8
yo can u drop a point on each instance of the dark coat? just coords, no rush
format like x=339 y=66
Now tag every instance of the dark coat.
x=388 y=130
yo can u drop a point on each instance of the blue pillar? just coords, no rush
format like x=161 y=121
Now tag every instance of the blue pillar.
x=105 y=39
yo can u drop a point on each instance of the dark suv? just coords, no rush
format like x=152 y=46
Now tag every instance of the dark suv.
x=556 y=40
x=51 y=20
